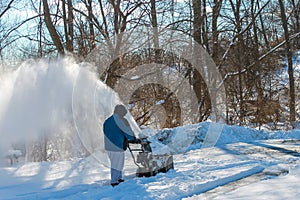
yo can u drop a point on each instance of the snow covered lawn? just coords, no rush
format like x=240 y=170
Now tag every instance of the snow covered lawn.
x=272 y=168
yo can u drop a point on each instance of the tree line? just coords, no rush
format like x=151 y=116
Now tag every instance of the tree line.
x=251 y=42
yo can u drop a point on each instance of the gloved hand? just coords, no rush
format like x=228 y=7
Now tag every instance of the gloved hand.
x=138 y=141
x=135 y=141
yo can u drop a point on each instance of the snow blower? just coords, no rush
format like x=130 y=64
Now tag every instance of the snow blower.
x=148 y=163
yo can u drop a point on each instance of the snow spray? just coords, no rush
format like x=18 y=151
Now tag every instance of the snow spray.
x=54 y=98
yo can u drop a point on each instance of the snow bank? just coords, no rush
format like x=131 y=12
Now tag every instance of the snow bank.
x=191 y=137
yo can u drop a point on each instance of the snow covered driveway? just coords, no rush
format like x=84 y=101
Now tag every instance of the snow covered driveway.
x=210 y=173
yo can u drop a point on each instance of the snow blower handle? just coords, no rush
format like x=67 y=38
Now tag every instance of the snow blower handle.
x=135 y=141
x=144 y=142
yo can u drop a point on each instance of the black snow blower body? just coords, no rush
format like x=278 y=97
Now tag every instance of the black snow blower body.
x=148 y=163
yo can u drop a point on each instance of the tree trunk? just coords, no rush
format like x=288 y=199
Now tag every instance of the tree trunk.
x=290 y=63
x=205 y=28
x=236 y=11
x=296 y=14
x=215 y=33
x=40 y=29
x=70 y=47
x=91 y=26
x=197 y=21
x=264 y=32
x=256 y=68
x=199 y=86
x=65 y=20
x=51 y=28
x=155 y=31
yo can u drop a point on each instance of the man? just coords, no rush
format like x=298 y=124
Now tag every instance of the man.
x=117 y=132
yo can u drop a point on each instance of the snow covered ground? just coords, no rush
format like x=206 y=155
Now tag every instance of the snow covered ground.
x=243 y=165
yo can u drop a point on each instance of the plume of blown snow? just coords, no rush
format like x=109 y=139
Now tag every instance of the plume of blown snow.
x=42 y=97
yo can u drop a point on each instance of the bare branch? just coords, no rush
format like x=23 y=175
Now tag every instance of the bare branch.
x=7 y=8
x=240 y=33
x=19 y=25
x=259 y=59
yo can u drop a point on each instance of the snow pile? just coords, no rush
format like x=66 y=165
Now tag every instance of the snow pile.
x=191 y=137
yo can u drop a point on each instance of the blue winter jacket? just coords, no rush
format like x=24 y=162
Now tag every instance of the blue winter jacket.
x=115 y=131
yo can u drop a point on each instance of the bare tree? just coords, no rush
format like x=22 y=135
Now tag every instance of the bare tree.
x=113 y=20
x=51 y=28
x=68 y=24
x=3 y=10
x=290 y=63
x=296 y=20
x=91 y=25
x=215 y=33
x=236 y=6
x=256 y=68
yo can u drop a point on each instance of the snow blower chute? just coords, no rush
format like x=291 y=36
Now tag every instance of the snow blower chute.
x=148 y=163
